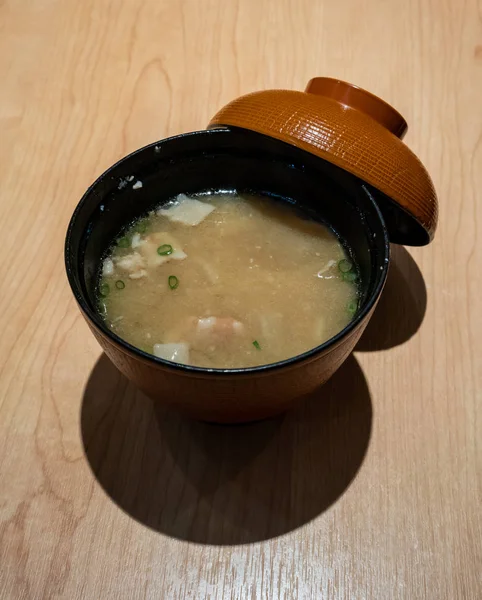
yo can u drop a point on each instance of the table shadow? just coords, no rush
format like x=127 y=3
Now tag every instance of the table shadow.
x=221 y=484
x=401 y=308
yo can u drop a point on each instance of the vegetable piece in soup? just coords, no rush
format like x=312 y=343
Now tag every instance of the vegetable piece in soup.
x=227 y=281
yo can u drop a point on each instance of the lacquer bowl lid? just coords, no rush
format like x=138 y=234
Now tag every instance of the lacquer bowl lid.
x=356 y=131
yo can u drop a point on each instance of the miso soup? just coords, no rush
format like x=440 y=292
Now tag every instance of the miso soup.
x=227 y=281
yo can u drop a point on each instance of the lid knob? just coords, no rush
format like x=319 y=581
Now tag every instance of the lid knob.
x=352 y=96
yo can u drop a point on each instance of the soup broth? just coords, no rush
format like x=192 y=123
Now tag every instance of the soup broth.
x=227 y=281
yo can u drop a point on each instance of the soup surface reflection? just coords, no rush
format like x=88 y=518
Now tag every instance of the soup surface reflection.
x=227 y=281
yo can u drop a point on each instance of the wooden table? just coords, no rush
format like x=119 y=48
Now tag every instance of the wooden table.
x=370 y=491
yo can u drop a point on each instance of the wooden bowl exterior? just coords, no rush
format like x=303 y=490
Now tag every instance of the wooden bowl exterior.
x=230 y=398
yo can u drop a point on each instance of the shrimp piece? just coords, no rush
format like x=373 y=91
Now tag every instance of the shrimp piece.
x=223 y=327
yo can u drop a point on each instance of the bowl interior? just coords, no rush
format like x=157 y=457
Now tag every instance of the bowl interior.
x=224 y=159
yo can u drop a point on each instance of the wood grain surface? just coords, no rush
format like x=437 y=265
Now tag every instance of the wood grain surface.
x=372 y=490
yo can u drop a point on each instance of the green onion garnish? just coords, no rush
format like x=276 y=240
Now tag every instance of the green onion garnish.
x=123 y=242
x=350 y=276
x=345 y=265
x=104 y=290
x=352 y=306
x=141 y=227
x=256 y=345
x=165 y=250
x=120 y=285
x=173 y=282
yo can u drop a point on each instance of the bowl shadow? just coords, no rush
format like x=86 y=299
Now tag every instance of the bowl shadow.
x=221 y=484
x=401 y=308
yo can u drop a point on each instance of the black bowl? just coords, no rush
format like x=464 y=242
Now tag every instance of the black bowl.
x=226 y=159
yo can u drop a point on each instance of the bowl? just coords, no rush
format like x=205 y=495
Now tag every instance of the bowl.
x=227 y=159
x=336 y=152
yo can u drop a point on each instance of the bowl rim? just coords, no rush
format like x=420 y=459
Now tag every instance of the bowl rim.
x=96 y=321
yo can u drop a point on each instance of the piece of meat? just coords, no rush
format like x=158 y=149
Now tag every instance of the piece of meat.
x=206 y=334
x=133 y=264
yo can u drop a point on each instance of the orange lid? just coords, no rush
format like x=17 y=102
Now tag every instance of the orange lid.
x=355 y=131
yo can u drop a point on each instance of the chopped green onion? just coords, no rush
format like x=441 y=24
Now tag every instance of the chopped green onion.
x=104 y=290
x=173 y=282
x=123 y=242
x=120 y=285
x=352 y=306
x=345 y=265
x=141 y=227
x=350 y=276
x=165 y=250
x=256 y=345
